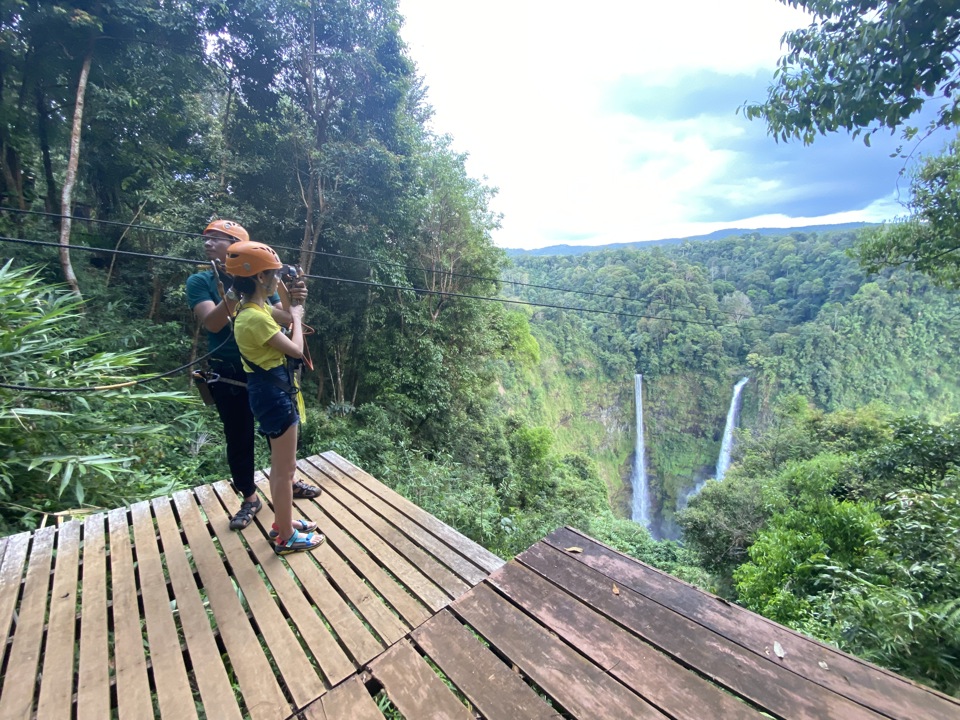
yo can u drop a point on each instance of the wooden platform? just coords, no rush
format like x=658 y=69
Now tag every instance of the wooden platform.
x=160 y=610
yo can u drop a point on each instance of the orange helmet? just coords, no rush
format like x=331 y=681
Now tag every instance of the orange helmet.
x=228 y=227
x=247 y=258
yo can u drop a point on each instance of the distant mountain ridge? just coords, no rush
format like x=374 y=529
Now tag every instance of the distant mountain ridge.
x=716 y=235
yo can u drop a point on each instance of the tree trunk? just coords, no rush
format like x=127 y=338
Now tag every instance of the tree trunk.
x=71 y=176
x=43 y=124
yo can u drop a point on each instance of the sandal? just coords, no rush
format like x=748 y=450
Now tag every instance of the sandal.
x=244 y=516
x=299 y=542
x=303 y=526
x=305 y=491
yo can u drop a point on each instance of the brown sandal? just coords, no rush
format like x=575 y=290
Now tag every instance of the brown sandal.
x=305 y=491
x=244 y=516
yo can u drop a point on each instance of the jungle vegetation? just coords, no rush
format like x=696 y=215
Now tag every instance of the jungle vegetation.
x=306 y=121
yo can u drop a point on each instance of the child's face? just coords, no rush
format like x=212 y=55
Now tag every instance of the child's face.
x=270 y=280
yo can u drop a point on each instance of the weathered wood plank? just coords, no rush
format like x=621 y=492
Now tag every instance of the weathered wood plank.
x=493 y=688
x=413 y=579
x=93 y=681
x=331 y=658
x=426 y=564
x=388 y=626
x=359 y=642
x=665 y=683
x=24 y=659
x=349 y=700
x=298 y=673
x=258 y=684
x=56 y=688
x=477 y=553
x=581 y=688
x=874 y=687
x=11 y=575
x=414 y=688
x=174 y=696
x=208 y=670
x=771 y=686
x=364 y=550
x=133 y=686
x=464 y=568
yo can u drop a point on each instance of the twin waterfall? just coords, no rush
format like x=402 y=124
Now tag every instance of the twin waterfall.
x=726 y=447
x=638 y=477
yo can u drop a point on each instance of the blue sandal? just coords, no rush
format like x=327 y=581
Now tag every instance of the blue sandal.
x=299 y=542
x=303 y=526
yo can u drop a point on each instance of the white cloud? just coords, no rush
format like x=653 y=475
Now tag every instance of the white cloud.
x=524 y=86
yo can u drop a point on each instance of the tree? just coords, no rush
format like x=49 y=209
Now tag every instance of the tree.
x=864 y=65
x=928 y=240
x=870 y=64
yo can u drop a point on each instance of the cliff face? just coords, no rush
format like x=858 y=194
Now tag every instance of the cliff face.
x=589 y=412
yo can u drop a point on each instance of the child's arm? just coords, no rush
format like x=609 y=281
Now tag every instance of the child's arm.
x=291 y=346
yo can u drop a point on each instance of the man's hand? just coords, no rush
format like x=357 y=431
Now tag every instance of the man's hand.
x=298 y=292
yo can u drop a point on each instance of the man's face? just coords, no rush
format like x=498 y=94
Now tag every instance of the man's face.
x=215 y=244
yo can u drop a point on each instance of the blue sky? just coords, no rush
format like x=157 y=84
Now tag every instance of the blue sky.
x=616 y=120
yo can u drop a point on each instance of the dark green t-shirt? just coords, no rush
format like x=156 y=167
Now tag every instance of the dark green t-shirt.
x=203 y=286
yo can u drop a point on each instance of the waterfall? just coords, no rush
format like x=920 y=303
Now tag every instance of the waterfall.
x=726 y=447
x=638 y=478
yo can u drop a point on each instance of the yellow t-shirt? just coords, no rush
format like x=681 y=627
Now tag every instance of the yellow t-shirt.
x=252 y=328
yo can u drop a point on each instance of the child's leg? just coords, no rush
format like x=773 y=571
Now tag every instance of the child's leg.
x=283 y=466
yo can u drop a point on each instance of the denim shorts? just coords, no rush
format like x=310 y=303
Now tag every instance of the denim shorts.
x=273 y=408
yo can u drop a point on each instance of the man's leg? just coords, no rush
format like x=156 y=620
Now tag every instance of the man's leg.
x=234 y=409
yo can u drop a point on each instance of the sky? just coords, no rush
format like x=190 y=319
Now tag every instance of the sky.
x=616 y=120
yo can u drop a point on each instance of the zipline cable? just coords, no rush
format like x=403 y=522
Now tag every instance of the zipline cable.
x=385 y=263
x=115 y=386
x=395 y=287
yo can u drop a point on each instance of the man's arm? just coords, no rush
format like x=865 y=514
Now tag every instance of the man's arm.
x=214 y=317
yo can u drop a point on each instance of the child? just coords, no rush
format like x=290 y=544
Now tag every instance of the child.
x=264 y=350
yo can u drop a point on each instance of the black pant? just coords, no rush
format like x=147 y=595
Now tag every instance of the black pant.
x=233 y=405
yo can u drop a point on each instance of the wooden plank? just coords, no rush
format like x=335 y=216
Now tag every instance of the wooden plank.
x=420 y=585
x=581 y=688
x=425 y=563
x=56 y=688
x=458 y=563
x=662 y=681
x=133 y=686
x=296 y=667
x=359 y=642
x=355 y=586
x=258 y=683
x=349 y=699
x=24 y=659
x=209 y=672
x=11 y=574
x=174 y=696
x=414 y=688
x=477 y=553
x=764 y=682
x=877 y=688
x=93 y=680
x=364 y=550
x=495 y=690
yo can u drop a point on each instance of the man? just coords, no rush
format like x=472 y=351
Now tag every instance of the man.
x=230 y=394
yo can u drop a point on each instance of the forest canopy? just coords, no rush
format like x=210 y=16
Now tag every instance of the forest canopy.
x=126 y=126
